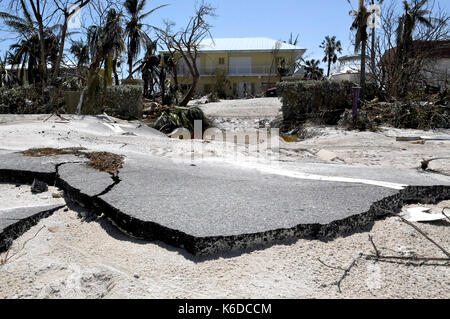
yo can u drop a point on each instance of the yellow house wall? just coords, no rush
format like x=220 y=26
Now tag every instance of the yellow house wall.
x=210 y=62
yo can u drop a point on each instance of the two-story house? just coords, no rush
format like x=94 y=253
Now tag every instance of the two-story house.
x=250 y=64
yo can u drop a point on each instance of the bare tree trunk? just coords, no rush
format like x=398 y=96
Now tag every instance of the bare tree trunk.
x=67 y=14
x=372 y=49
x=61 y=48
x=191 y=92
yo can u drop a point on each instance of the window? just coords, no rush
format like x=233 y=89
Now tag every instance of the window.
x=240 y=65
x=221 y=61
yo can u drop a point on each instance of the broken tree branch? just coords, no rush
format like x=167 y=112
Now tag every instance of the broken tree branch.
x=443 y=210
x=374 y=247
x=410 y=258
x=346 y=271
x=379 y=257
x=425 y=235
x=6 y=259
x=326 y=265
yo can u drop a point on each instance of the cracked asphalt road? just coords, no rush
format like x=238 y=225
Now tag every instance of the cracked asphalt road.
x=121 y=257
x=205 y=203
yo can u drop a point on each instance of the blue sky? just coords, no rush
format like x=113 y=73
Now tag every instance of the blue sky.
x=311 y=19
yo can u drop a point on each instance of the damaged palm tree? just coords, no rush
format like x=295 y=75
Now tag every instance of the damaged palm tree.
x=176 y=117
x=360 y=26
x=105 y=45
x=134 y=32
x=404 y=54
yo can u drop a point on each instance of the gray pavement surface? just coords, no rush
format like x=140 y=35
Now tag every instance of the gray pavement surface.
x=397 y=175
x=9 y=217
x=205 y=201
x=90 y=181
x=210 y=200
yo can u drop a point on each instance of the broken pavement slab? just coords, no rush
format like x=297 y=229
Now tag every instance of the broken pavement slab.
x=14 y=222
x=211 y=208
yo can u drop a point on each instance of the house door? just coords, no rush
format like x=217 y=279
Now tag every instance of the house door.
x=243 y=89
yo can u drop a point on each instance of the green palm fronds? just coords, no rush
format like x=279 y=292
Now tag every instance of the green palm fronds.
x=176 y=117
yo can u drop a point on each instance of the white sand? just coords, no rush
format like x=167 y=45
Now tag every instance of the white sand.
x=75 y=257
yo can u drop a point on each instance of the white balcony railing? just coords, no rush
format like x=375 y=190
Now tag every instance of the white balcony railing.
x=233 y=70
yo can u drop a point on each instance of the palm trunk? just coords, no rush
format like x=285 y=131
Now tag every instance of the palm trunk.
x=329 y=67
x=162 y=84
x=130 y=66
x=114 y=69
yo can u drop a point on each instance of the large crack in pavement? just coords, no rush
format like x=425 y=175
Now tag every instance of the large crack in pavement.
x=20 y=226
x=211 y=245
x=116 y=180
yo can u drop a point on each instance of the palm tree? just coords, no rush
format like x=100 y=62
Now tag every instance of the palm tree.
x=105 y=45
x=292 y=40
x=360 y=26
x=27 y=53
x=149 y=68
x=413 y=15
x=6 y=77
x=136 y=36
x=312 y=69
x=80 y=51
x=330 y=46
x=406 y=25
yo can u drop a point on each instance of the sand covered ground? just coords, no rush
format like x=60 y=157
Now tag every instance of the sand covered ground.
x=73 y=254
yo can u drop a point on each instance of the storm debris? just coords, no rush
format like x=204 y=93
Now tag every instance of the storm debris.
x=48 y=151
x=38 y=187
x=103 y=161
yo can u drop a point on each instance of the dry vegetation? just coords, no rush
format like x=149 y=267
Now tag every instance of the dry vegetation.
x=103 y=161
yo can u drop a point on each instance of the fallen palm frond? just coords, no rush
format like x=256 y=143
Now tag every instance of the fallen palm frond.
x=176 y=117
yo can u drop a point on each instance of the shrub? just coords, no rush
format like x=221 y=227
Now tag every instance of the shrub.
x=323 y=101
x=20 y=100
x=124 y=101
x=419 y=115
x=362 y=122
